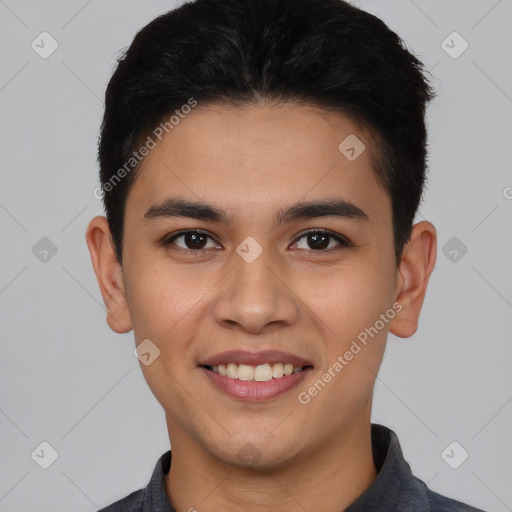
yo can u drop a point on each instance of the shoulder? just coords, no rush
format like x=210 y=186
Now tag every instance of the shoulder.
x=153 y=493
x=131 y=503
x=440 y=503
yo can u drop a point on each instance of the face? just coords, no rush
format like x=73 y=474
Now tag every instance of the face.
x=257 y=282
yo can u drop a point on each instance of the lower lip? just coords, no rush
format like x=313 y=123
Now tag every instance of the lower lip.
x=252 y=390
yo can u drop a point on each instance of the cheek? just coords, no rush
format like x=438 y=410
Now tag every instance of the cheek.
x=354 y=298
x=160 y=299
x=345 y=382
x=174 y=390
x=357 y=308
x=164 y=310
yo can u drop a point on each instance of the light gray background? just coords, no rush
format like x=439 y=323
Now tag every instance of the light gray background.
x=65 y=378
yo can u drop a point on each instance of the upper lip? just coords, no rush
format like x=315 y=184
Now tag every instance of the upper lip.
x=255 y=358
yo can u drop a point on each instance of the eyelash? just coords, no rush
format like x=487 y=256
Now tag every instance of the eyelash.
x=344 y=242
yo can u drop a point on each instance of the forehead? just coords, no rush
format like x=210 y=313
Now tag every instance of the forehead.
x=252 y=156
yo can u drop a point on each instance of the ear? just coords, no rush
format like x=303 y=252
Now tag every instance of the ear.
x=416 y=265
x=109 y=274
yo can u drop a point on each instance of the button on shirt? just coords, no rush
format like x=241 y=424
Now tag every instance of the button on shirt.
x=394 y=489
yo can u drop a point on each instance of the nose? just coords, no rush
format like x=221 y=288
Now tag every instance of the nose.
x=256 y=295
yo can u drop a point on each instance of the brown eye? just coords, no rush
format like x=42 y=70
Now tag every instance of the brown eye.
x=192 y=240
x=320 y=240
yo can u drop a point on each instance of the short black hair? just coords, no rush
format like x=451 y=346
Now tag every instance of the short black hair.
x=325 y=53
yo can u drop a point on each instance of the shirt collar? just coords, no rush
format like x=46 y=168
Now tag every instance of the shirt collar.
x=395 y=487
x=155 y=495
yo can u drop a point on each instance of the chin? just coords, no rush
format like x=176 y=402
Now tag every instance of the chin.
x=258 y=455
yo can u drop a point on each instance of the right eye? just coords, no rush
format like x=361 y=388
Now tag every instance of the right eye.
x=192 y=239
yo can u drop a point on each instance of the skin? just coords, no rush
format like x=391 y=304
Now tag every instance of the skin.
x=251 y=162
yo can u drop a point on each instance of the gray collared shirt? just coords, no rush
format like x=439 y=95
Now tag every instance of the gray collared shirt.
x=394 y=489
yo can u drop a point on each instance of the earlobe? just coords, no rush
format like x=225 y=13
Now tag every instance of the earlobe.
x=109 y=274
x=416 y=265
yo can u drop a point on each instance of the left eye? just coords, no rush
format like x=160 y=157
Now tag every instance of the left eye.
x=318 y=240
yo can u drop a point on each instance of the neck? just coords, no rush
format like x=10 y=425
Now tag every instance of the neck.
x=330 y=478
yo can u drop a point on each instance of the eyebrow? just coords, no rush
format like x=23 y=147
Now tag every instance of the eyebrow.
x=179 y=207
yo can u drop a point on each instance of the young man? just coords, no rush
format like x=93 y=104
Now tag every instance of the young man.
x=261 y=164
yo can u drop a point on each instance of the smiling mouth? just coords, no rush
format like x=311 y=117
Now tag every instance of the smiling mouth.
x=259 y=373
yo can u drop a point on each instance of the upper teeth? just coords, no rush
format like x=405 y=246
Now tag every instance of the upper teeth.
x=260 y=373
